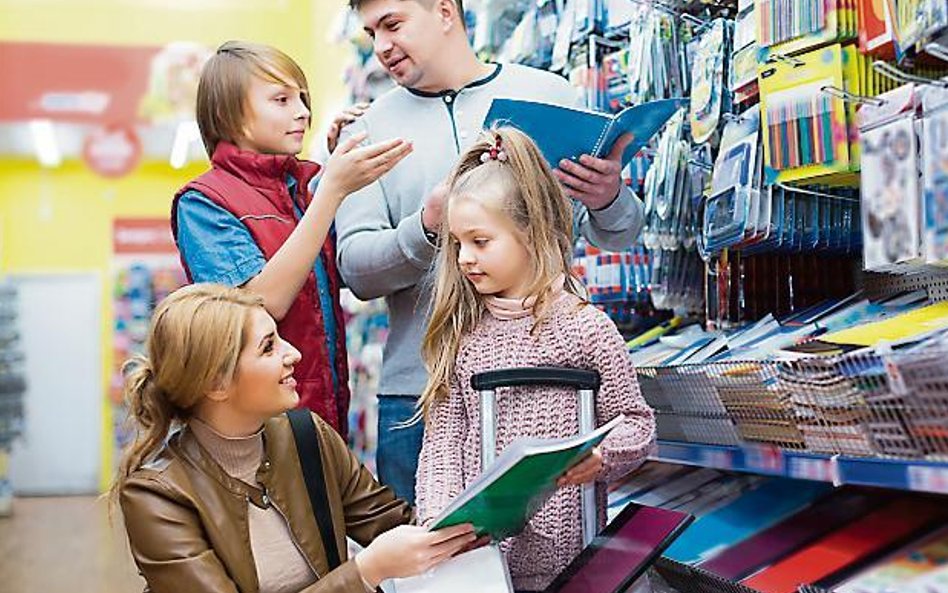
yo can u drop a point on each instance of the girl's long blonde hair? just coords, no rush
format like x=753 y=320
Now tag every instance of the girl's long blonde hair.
x=194 y=342
x=535 y=202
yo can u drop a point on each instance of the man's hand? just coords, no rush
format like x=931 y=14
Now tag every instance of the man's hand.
x=433 y=209
x=594 y=182
x=349 y=115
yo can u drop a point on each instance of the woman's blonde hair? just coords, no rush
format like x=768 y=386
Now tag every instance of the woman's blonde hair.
x=194 y=341
x=225 y=79
x=537 y=205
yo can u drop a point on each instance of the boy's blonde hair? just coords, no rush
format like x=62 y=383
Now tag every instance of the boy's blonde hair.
x=535 y=202
x=225 y=79
x=194 y=341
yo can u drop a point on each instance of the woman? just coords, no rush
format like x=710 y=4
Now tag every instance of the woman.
x=222 y=504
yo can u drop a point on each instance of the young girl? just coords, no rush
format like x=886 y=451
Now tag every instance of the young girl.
x=212 y=491
x=504 y=297
x=251 y=222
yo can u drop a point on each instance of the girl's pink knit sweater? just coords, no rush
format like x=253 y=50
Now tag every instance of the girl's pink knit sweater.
x=573 y=335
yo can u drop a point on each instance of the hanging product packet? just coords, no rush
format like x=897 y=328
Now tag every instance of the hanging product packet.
x=709 y=78
x=661 y=183
x=808 y=111
x=935 y=173
x=804 y=127
x=731 y=210
x=891 y=199
x=876 y=36
x=915 y=21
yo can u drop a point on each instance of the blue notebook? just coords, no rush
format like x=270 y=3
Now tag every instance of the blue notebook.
x=754 y=511
x=566 y=133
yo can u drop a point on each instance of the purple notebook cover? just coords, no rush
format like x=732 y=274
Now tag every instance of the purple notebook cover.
x=826 y=515
x=622 y=552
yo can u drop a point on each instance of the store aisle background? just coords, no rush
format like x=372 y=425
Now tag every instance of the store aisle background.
x=59 y=220
x=65 y=544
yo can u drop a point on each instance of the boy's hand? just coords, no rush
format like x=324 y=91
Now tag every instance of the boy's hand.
x=594 y=182
x=583 y=472
x=351 y=167
x=348 y=115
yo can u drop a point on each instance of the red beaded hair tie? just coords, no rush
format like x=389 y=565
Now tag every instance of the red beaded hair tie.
x=495 y=153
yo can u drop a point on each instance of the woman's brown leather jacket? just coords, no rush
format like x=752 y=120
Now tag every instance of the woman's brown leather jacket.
x=187 y=519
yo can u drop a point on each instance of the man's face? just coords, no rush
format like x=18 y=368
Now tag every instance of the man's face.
x=406 y=36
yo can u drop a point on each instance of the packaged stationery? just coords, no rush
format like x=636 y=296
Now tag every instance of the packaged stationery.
x=935 y=173
x=890 y=181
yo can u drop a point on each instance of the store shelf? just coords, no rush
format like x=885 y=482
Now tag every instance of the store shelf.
x=917 y=476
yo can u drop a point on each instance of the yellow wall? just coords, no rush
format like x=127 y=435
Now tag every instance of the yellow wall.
x=60 y=220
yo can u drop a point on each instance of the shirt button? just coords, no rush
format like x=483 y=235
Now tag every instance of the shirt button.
x=463 y=135
x=448 y=98
x=265 y=499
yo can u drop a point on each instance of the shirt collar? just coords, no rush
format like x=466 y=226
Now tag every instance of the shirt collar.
x=450 y=92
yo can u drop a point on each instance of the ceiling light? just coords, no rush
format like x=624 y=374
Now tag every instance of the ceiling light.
x=44 y=141
x=184 y=136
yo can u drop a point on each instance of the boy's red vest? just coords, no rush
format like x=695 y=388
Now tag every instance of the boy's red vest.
x=252 y=187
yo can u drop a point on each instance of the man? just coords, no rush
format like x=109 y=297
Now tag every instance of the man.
x=388 y=231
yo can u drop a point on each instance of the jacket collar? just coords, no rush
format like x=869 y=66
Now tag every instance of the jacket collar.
x=266 y=173
x=279 y=482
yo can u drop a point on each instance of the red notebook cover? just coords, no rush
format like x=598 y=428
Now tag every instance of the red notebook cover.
x=851 y=544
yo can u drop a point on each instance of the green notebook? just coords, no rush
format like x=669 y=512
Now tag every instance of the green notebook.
x=501 y=500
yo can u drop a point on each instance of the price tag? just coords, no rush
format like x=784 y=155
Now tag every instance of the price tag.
x=809 y=468
x=764 y=458
x=716 y=458
x=928 y=478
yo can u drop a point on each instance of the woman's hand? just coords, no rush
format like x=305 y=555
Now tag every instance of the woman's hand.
x=351 y=167
x=408 y=550
x=583 y=472
x=349 y=115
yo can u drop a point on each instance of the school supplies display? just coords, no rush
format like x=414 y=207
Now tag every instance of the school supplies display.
x=917 y=568
x=823 y=516
x=850 y=545
x=503 y=498
x=566 y=133
x=755 y=509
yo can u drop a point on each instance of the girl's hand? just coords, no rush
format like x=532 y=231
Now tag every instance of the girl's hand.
x=408 y=550
x=351 y=167
x=583 y=472
x=349 y=115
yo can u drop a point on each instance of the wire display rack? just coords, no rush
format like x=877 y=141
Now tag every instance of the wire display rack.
x=864 y=404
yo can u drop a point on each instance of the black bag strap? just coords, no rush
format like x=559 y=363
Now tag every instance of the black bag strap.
x=311 y=462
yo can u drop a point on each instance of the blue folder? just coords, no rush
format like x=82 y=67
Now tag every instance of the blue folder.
x=566 y=133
